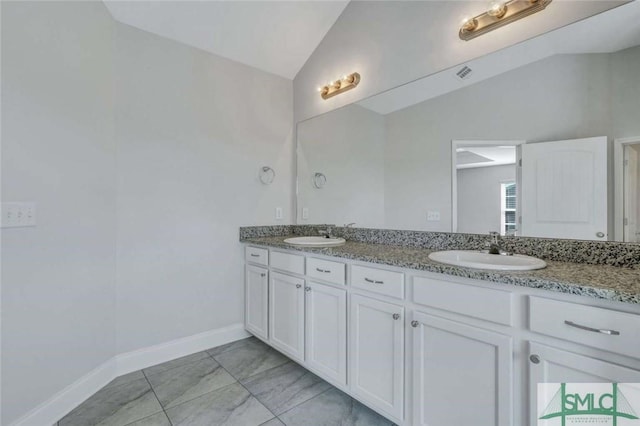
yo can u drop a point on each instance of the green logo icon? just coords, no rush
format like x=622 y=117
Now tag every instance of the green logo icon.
x=613 y=405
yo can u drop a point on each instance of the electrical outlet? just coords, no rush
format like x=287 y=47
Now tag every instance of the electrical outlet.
x=278 y=213
x=433 y=216
x=15 y=215
x=305 y=213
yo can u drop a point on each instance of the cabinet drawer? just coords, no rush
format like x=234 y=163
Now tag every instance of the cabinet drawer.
x=478 y=302
x=380 y=281
x=256 y=255
x=601 y=328
x=287 y=262
x=326 y=270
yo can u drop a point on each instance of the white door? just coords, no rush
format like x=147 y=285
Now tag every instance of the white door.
x=286 y=314
x=457 y=362
x=631 y=188
x=552 y=365
x=256 y=301
x=326 y=330
x=564 y=189
x=377 y=354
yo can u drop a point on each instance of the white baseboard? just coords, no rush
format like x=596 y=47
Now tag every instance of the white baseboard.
x=152 y=355
x=73 y=395
x=70 y=397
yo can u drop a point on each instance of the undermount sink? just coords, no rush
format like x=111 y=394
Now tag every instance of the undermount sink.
x=315 y=241
x=483 y=260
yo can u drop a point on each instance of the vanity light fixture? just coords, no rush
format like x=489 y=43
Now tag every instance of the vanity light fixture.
x=500 y=13
x=336 y=87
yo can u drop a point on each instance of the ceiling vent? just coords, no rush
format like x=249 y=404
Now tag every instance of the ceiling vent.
x=464 y=73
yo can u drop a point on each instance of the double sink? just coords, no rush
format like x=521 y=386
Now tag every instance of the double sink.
x=464 y=258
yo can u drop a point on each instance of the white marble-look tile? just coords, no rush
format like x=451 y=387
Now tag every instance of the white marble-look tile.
x=282 y=388
x=333 y=408
x=229 y=406
x=189 y=381
x=115 y=406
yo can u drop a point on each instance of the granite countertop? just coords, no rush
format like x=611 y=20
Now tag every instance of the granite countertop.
x=598 y=281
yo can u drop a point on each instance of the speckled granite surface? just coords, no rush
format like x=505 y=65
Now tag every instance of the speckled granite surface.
x=598 y=281
x=590 y=252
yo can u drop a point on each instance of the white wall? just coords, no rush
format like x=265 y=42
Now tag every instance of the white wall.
x=143 y=156
x=58 y=149
x=348 y=147
x=625 y=113
x=479 y=197
x=552 y=99
x=393 y=42
x=193 y=130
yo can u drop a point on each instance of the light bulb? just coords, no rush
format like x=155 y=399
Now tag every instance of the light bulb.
x=469 y=24
x=497 y=8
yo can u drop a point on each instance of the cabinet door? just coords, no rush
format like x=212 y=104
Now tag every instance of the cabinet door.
x=326 y=330
x=256 y=301
x=286 y=314
x=552 y=365
x=462 y=374
x=377 y=354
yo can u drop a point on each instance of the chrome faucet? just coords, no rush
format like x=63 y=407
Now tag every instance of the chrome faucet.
x=349 y=225
x=494 y=245
x=326 y=233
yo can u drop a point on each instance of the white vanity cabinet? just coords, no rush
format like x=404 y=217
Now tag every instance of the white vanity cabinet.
x=462 y=374
x=326 y=330
x=286 y=314
x=377 y=354
x=429 y=349
x=552 y=365
x=256 y=301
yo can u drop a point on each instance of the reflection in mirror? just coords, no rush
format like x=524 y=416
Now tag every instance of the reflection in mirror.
x=399 y=162
x=485 y=185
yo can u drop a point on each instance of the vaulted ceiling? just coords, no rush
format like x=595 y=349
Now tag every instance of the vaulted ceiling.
x=274 y=36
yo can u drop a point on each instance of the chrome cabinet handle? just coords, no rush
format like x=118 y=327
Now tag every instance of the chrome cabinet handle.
x=595 y=330
x=263 y=275
x=307 y=289
x=369 y=280
x=414 y=323
x=534 y=359
x=396 y=316
x=326 y=271
x=255 y=255
x=298 y=285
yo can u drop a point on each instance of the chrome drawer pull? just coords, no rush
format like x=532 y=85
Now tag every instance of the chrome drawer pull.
x=373 y=281
x=595 y=330
x=326 y=271
x=255 y=255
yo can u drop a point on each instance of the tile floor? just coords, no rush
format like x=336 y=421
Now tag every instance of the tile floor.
x=244 y=383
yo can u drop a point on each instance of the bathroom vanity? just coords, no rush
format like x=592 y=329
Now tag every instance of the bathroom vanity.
x=427 y=344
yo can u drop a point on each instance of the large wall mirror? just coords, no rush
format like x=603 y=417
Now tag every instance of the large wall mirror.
x=546 y=148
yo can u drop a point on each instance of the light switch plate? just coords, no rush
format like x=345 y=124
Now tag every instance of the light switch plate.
x=278 y=213
x=433 y=216
x=18 y=214
x=305 y=213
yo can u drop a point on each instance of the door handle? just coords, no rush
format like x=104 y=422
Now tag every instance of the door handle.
x=594 y=330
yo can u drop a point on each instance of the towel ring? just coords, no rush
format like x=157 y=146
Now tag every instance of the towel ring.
x=319 y=180
x=267 y=175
